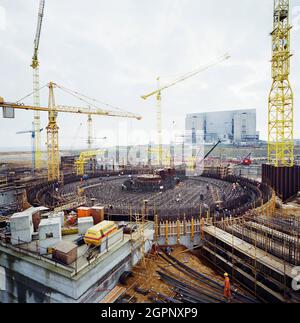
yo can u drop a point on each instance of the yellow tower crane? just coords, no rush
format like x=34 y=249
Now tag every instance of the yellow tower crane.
x=158 y=92
x=52 y=128
x=166 y=156
x=36 y=88
x=89 y=102
x=281 y=99
x=84 y=156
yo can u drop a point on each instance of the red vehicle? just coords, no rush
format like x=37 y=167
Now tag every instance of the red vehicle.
x=247 y=161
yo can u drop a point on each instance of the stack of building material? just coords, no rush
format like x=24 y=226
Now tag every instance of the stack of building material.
x=113 y=295
x=84 y=224
x=49 y=234
x=21 y=228
x=83 y=212
x=65 y=252
x=97 y=214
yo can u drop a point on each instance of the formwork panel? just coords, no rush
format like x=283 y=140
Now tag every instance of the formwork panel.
x=284 y=180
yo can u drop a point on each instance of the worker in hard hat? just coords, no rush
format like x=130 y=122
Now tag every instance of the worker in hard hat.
x=227 y=288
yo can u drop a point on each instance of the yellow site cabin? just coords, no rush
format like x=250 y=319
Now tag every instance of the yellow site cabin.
x=95 y=235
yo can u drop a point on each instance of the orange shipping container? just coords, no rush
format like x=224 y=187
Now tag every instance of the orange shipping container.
x=83 y=212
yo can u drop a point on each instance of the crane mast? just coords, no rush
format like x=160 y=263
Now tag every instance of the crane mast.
x=159 y=125
x=36 y=87
x=52 y=128
x=90 y=131
x=281 y=99
x=84 y=156
x=33 y=134
x=52 y=139
x=158 y=92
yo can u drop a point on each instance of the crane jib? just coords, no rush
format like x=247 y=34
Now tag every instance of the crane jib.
x=9 y=108
x=188 y=75
x=39 y=26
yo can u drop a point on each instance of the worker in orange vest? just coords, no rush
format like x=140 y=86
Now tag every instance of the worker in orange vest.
x=227 y=288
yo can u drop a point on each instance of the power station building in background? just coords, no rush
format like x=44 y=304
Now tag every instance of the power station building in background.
x=236 y=127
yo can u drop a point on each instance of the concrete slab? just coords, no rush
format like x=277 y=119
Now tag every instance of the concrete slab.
x=261 y=256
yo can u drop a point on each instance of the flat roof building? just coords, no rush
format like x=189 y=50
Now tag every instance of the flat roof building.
x=232 y=127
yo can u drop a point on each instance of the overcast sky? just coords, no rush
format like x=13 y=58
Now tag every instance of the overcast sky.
x=114 y=50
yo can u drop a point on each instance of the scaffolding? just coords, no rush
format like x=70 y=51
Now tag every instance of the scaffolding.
x=138 y=238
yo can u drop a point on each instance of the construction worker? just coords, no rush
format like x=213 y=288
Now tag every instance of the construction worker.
x=227 y=288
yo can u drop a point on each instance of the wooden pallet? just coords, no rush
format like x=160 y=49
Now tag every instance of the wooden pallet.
x=113 y=295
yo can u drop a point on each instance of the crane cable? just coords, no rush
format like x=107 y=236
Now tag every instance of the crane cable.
x=33 y=92
x=76 y=136
x=77 y=95
x=196 y=71
x=87 y=99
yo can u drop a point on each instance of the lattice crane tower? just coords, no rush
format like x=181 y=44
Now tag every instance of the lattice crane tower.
x=52 y=139
x=281 y=100
x=36 y=89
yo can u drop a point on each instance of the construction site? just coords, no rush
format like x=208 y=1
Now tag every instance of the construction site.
x=172 y=221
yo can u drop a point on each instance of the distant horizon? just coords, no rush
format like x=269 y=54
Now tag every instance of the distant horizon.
x=28 y=149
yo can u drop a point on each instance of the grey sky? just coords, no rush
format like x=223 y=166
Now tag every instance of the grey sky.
x=113 y=51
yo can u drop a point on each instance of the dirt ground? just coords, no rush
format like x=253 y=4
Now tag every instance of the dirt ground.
x=290 y=209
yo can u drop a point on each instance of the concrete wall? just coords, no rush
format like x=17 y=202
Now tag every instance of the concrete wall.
x=185 y=240
x=21 y=227
x=84 y=224
x=5 y=297
x=49 y=233
x=35 y=281
x=28 y=282
x=109 y=282
x=2 y=278
x=7 y=197
x=244 y=125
